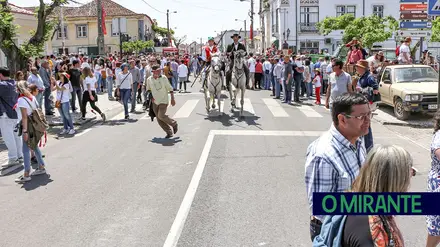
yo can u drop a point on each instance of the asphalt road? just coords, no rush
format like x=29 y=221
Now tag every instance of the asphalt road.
x=122 y=184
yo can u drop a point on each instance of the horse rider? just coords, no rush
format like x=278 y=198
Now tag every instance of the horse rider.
x=207 y=53
x=236 y=46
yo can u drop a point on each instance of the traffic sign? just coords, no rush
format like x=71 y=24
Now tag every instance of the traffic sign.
x=409 y=33
x=413 y=16
x=415 y=24
x=413 y=7
x=434 y=7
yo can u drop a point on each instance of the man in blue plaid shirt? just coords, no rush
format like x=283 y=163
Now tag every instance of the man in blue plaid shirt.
x=334 y=159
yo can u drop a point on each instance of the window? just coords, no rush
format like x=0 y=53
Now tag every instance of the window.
x=60 y=34
x=309 y=14
x=378 y=10
x=114 y=33
x=386 y=75
x=81 y=31
x=345 y=9
x=309 y=46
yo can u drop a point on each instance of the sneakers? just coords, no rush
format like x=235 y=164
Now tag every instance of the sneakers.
x=38 y=171
x=71 y=132
x=23 y=179
x=64 y=131
x=21 y=160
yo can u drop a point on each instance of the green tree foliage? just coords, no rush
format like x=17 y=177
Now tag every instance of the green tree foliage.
x=435 y=36
x=18 y=55
x=162 y=31
x=137 y=46
x=369 y=29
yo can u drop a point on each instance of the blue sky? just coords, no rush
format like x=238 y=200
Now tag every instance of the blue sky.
x=194 y=18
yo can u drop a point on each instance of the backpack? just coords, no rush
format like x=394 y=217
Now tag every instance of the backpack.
x=331 y=232
x=37 y=126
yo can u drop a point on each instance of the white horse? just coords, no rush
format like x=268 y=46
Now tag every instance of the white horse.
x=213 y=86
x=238 y=80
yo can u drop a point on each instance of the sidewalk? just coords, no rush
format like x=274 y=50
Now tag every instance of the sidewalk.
x=103 y=103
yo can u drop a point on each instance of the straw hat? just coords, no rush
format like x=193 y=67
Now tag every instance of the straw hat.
x=362 y=64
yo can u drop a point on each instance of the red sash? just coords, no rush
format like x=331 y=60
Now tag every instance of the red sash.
x=208 y=52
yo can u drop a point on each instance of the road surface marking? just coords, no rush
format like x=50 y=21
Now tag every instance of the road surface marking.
x=185 y=206
x=309 y=111
x=186 y=109
x=248 y=110
x=267 y=133
x=118 y=117
x=215 y=112
x=83 y=132
x=275 y=107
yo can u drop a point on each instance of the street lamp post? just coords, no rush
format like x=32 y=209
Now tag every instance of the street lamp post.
x=251 y=15
x=168 y=26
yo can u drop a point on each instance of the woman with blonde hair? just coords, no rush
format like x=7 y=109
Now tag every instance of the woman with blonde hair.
x=433 y=221
x=89 y=84
x=387 y=169
x=26 y=104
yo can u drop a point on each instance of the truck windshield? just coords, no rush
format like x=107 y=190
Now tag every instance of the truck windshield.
x=415 y=74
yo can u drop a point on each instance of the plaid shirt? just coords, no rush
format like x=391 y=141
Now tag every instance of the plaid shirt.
x=332 y=164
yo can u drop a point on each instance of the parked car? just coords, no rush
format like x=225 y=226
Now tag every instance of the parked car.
x=409 y=88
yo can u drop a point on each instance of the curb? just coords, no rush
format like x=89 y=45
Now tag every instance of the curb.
x=76 y=123
x=414 y=125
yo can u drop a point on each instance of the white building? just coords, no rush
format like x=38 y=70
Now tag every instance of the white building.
x=281 y=22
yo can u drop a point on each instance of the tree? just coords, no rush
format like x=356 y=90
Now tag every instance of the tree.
x=369 y=29
x=435 y=35
x=137 y=46
x=18 y=55
x=162 y=31
x=178 y=41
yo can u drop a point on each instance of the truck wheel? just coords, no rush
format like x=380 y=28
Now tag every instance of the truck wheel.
x=399 y=110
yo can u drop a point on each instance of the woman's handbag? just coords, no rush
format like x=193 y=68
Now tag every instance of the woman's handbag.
x=58 y=102
x=116 y=94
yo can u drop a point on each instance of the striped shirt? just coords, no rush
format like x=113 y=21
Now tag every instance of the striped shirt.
x=332 y=164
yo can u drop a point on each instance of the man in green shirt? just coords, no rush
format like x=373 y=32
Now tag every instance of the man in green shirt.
x=159 y=87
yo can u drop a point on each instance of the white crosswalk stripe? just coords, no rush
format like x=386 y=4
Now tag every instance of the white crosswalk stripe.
x=248 y=110
x=186 y=109
x=309 y=111
x=275 y=108
x=216 y=112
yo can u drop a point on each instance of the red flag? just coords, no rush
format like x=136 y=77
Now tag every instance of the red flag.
x=104 y=29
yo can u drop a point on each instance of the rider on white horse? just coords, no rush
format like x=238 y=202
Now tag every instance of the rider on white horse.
x=207 y=53
x=235 y=46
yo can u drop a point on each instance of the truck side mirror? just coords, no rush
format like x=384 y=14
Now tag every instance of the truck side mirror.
x=387 y=81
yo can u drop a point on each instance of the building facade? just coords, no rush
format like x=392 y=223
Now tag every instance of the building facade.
x=299 y=30
x=27 y=22
x=81 y=30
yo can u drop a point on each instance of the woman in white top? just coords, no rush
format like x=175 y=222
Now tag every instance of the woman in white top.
x=124 y=82
x=317 y=81
x=27 y=103
x=89 y=95
x=97 y=70
x=109 y=73
x=63 y=96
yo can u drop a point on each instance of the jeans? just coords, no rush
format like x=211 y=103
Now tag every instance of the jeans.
x=110 y=86
x=288 y=91
x=277 y=87
x=47 y=100
x=266 y=81
x=310 y=87
x=27 y=157
x=12 y=140
x=368 y=138
x=125 y=97
x=272 y=81
x=133 y=96
x=297 y=81
x=98 y=80
x=39 y=97
x=65 y=115
x=175 y=79
x=76 y=92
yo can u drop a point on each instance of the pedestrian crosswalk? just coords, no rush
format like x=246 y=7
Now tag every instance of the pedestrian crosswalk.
x=187 y=107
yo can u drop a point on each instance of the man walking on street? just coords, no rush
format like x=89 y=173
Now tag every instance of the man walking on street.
x=35 y=78
x=136 y=74
x=75 y=79
x=45 y=76
x=335 y=159
x=159 y=86
x=9 y=118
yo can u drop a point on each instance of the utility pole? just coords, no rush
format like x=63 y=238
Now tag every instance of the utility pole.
x=245 y=34
x=100 y=33
x=120 y=37
x=252 y=24
x=201 y=47
x=168 y=27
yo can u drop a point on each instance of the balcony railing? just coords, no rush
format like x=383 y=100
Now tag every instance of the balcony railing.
x=309 y=27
